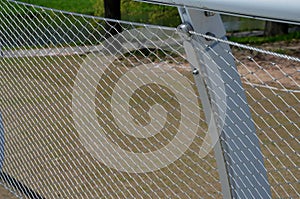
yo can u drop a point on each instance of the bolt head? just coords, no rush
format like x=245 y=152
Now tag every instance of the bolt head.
x=195 y=71
x=184 y=30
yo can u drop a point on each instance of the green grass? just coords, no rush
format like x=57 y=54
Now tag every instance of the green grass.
x=79 y=6
x=161 y=15
x=261 y=39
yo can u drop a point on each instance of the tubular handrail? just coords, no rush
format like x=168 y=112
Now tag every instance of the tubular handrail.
x=287 y=11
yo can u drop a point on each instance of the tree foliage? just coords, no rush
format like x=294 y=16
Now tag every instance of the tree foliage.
x=143 y=12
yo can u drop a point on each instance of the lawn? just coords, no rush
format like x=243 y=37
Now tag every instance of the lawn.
x=78 y=6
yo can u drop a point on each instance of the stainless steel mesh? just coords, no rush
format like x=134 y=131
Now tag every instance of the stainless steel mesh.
x=88 y=114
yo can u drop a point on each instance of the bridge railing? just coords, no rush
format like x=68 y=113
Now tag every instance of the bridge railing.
x=150 y=112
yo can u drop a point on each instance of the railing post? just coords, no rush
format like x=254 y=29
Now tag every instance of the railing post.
x=232 y=131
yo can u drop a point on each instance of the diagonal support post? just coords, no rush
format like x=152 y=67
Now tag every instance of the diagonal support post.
x=231 y=128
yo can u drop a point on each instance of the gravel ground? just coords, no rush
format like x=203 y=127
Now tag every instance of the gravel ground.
x=290 y=48
x=4 y=194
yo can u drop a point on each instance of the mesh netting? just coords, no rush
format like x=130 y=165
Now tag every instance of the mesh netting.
x=91 y=112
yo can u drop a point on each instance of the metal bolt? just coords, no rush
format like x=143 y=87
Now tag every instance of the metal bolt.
x=195 y=71
x=184 y=30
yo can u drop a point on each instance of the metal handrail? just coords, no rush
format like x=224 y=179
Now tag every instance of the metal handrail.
x=287 y=11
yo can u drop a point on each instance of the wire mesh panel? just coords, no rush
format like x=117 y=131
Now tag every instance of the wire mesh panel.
x=271 y=82
x=89 y=115
x=88 y=111
x=272 y=86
